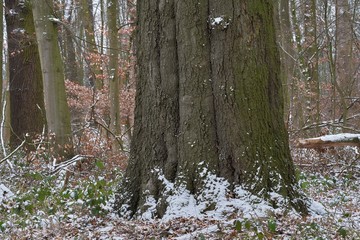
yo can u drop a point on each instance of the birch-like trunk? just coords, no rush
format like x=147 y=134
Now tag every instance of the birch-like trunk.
x=57 y=111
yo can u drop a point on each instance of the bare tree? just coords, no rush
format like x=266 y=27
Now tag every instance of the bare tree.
x=26 y=88
x=57 y=111
x=209 y=102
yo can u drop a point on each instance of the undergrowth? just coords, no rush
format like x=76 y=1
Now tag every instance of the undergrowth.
x=77 y=200
x=42 y=198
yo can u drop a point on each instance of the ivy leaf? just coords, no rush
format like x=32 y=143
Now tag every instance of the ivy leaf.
x=342 y=231
x=100 y=164
x=238 y=225
x=272 y=225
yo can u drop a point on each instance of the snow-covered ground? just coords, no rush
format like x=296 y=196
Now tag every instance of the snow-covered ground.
x=331 y=179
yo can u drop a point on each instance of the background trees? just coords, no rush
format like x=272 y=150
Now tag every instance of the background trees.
x=325 y=54
x=87 y=56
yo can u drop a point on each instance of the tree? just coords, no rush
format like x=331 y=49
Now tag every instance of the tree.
x=26 y=88
x=68 y=45
x=92 y=48
x=114 y=80
x=209 y=102
x=1 y=43
x=57 y=111
x=345 y=82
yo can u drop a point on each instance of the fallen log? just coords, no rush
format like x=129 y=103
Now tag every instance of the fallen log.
x=336 y=140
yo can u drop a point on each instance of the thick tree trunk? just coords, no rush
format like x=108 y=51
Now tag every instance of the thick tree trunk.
x=26 y=88
x=209 y=103
x=57 y=111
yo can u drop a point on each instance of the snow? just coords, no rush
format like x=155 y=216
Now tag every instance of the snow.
x=317 y=208
x=221 y=21
x=339 y=137
x=214 y=202
x=217 y=21
x=334 y=203
x=5 y=193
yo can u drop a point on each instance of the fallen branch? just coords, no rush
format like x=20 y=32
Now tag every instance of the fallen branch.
x=64 y=164
x=337 y=140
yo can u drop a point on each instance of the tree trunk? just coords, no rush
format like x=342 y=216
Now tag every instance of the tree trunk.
x=114 y=80
x=310 y=64
x=344 y=56
x=70 y=64
x=285 y=39
x=92 y=53
x=57 y=111
x=26 y=88
x=209 y=103
x=2 y=100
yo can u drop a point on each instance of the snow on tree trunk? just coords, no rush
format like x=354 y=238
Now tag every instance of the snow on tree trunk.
x=209 y=108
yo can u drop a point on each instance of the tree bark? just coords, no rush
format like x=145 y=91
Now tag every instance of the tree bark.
x=70 y=63
x=209 y=102
x=114 y=80
x=26 y=88
x=345 y=81
x=57 y=111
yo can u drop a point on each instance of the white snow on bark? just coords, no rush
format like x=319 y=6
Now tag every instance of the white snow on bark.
x=339 y=137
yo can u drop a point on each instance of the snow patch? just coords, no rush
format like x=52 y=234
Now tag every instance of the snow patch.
x=5 y=193
x=317 y=208
x=215 y=202
x=220 y=21
x=150 y=204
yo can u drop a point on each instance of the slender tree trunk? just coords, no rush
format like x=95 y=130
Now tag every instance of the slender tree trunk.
x=57 y=111
x=344 y=55
x=331 y=57
x=285 y=38
x=310 y=67
x=114 y=80
x=70 y=63
x=298 y=105
x=26 y=88
x=92 y=52
x=1 y=55
x=209 y=103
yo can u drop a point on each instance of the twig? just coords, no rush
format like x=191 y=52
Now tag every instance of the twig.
x=117 y=138
x=12 y=153
x=58 y=167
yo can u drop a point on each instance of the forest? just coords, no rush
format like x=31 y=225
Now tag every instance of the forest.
x=180 y=119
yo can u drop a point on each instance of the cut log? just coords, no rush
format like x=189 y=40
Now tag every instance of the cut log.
x=337 y=140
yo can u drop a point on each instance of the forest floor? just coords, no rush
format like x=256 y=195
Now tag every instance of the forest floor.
x=35 y=205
